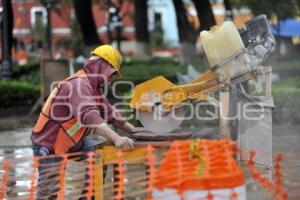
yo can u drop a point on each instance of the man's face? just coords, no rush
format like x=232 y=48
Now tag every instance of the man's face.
x=110 y=72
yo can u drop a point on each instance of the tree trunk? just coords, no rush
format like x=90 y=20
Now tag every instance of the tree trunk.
x=84 y=15
x=141 y=29
x=7 y=39
x=228 y=10
x=186 y=34
x=205 y=14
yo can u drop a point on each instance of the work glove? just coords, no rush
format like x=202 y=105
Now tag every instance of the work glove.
x=124 y=142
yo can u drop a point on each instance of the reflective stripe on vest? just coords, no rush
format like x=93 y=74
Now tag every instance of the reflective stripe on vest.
x=71 y=131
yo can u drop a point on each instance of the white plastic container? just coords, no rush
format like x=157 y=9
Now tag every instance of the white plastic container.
x=221 y=42
x=218 y=194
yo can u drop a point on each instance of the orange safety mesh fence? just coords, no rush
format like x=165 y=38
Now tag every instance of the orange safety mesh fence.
x=199 y=169
x=201 y=164
x=274 y=188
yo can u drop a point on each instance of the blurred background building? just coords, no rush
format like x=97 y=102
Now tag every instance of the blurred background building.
x=30 y=19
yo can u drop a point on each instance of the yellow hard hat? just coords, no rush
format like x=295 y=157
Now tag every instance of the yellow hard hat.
x=110 y=54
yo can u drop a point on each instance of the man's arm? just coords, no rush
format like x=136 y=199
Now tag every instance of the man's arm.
x=118 y=121
x=84 y=108
x=122 y=142
x=115 y=117
x=128 y=127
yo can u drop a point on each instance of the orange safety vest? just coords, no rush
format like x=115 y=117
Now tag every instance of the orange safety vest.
x=70 y=131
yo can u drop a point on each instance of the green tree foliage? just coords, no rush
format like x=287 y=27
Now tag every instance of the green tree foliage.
x=17 y=94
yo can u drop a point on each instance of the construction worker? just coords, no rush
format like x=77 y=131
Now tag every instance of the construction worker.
x=76 y=108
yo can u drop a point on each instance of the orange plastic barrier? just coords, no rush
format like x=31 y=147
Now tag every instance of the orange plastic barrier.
x=181 y=166
x=274 y=188
x=200 y=164
x=33 y=178
x=6 y=169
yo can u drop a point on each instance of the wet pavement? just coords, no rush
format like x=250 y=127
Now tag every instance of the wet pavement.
x=16 y=138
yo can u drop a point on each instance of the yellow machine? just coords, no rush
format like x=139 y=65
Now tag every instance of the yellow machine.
x=235 y=56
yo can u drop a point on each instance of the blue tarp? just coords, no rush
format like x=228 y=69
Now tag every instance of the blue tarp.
x=287 y=28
